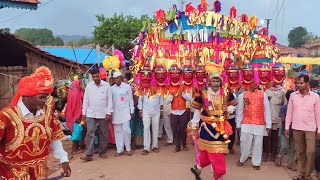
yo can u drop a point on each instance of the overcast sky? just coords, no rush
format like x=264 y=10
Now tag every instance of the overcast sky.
x=77 y=17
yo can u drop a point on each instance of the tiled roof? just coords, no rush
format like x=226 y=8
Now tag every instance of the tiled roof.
x=84 y=54
x=35 y=49
x=312 y=44
x=20 y=4
x=285 y=50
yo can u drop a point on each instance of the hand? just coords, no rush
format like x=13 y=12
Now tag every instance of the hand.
x=286 y=133
x=318 y=136
x=268 y=131
x=224 y=108
x=83 y=118
x=66 y=169
x=140 y=114
x=108 y=117
x=161 y=114
x=238 y=130
x=131 y=116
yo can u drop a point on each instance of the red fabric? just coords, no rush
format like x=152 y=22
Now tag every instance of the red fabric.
x=217 y=161
x=111 y=137
x=74 y=103
x=41 y=81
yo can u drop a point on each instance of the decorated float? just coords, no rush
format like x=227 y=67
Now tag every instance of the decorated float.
x=185 y=47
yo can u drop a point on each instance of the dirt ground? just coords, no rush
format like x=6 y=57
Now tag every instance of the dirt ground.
x=165 y=165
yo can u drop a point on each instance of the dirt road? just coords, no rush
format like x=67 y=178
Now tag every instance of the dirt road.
x=165 y=165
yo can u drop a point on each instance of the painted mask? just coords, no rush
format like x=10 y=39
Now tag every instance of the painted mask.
x=160 y=75
x=146 y=76
x=187 y=74
x=247 y=73
x=200 y=74
x=174 y=73
x=278 y=73
x=233 y=74
x=264 y=74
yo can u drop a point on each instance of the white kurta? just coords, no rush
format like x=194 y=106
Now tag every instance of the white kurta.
x=122 y=103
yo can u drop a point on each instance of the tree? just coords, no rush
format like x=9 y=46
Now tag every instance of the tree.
x=119 y=31
x=80 y=42
x=6 y=30
x=39 y=36
x=298 y=37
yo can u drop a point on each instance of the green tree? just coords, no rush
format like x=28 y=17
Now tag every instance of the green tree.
x=39 y=36
x=119 y=31
x=7 y=30
x=298 y=37
x=80 y=42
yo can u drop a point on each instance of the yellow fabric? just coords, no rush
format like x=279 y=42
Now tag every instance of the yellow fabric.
x=300 y=60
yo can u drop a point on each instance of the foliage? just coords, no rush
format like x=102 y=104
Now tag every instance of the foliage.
x=7 y=30
x=119 y=31
x=298 y=37
x=39 y=36
x=80 y=42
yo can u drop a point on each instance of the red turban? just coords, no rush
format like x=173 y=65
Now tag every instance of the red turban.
x=41 y=81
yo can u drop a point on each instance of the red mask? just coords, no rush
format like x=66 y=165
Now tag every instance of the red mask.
x=278 y=76
x=233 y=77
x=160 y=77
x=146 y=77
x=200 y=76
x=264 y=76
x=174 y=77
x=247 y=76
x=187 y=76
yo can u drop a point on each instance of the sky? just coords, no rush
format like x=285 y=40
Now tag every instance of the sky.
x=77 y=17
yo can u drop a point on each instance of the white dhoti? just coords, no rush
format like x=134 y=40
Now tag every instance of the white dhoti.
x=122 y=134
x=251 y=143
x=166 y=124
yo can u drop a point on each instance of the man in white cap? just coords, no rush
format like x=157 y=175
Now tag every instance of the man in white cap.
x=123 y=110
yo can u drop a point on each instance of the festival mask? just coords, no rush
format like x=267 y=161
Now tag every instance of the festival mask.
x=264 y=73
x=160 y=74
x=200 y=74
x=233 y=73
x=278 y=73
x=187 y=74
x=174 y=73
x=146 y=76
x=247 y=73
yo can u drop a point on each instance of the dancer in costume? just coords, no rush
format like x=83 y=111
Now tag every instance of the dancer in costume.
x=29 y=130
x=213 y=127
x=253 y=119
x=179 y=114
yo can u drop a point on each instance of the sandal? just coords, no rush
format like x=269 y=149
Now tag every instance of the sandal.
x=118 y=154
x=299 y=178
x=129 y=153
x=239 y=164
x=103 y=155
x=196 y=172
x=86 y=158
x=145 y=152
x=256 y=167
x=176 y=150
x=156 y=150
x=168 y=144
x=185 y=148
x=77 y=152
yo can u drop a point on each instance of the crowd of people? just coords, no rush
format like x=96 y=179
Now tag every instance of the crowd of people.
x=269 y=124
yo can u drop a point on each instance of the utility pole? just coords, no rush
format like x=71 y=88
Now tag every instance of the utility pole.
x=181 y=4
x=268 y=22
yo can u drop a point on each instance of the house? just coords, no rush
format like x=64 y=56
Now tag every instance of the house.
x=20 y=58
x=314 y=48
x=19 y=4
x=87 y=55
x=288 y=51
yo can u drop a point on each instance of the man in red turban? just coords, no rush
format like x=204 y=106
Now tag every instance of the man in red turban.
x=29 y=131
